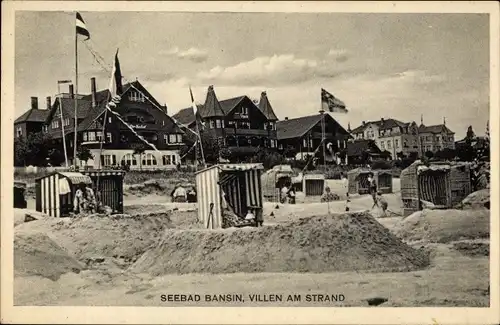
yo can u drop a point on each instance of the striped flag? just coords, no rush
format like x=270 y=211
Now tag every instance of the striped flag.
x=80 y=26
x=488 y=130
x=331 y=103
x=115 y=83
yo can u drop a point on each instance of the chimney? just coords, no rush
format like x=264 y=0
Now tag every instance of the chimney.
x=263 y=94
x=165 y=108
x=364 y=123
x=49 y=102
x=34 y=102
x=71 y=91
x=93 y=90
x=286 y=118
x=382 y=119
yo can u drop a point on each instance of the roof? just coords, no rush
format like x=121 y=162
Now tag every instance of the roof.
x=186 y=115
x=104 y=173
x=235 y=167
x=357 y=147
x=297 y=127
x=266 y=108
x=212 y=107
x=381 y=124
x=436 y=129
x=33 y=115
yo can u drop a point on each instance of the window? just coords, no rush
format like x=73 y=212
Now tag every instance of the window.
x=129 y=160
x=382 y=145
x=396 y=143
x=281 y=147
x=273 y=143
x=109 y=119
x=136 y=96
x=388 y=144
x=91 y=136
x=244 y=110
x=99 y=136
x=212 y=124
x=172 y=138
x=166 y=160
x=109 y=138
x=66 y=122
x=55 y=124
x=217 y=124
x=304 y=143
x=311 y=144
x=427 y=138
x=45 y=128
x=85 y=137
x=179 y=138
x=19 y=131
x=149 y=160
x=174 y=160
x=108 y=160
x=437 y=138
x=222 y=122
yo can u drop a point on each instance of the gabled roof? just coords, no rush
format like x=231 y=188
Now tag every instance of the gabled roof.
x=357 y=147
x=436 y=129
x=297 y=127
x=33 y=115
x=266 y=108
x=229 y=104
x=212 y=107
x=381 y=124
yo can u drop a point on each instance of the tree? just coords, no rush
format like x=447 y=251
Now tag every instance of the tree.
x=139 y=149
x=56 y=157
x=429 y=154
x=84 y=154
x=445 y=154
x=211 y=149
x=470 y=134
x=32 y=150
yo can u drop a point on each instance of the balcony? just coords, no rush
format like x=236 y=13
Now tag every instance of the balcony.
x=252 y=132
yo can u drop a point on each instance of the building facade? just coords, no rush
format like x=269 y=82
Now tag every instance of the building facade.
x=237 y=123
x=434 y=138
x=102 y=132
x=33 y=120
x=303 y=135
x=396 y=137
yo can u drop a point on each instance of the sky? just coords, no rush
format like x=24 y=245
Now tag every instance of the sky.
x=400 y=66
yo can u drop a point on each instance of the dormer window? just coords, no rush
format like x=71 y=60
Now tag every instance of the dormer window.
x=19 y=131
x=55 y=124
x=244 y=110
x=136 y=96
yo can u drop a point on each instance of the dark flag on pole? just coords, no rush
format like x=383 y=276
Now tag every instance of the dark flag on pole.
x=80 y=26
x=115 y=83
x=331 y=103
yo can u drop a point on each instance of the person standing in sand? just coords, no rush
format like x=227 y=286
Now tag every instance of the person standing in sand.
x=373 y=189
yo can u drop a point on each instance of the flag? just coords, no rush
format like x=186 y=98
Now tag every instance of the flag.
x=332 y=104
x=80 y=26
x=197 y=115
x=487 y=133
x=115 y=83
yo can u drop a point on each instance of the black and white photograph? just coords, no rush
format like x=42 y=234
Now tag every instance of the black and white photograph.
x=251 y=157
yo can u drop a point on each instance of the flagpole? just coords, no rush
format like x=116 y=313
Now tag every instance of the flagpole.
x=62 y=125
x=76 y=97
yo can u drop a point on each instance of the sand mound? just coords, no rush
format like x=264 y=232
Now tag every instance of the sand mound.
x=443 y=226
x=473 y=249
x=37 y=254
x=477 y=200
x=94 y=238
x=318 y=244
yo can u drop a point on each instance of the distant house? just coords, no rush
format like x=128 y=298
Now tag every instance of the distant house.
x=434 y=138
x=237 y=123
x=138 y=108
x=33 y=120
x=304 y=135
x=390 y=135
x=362 y=149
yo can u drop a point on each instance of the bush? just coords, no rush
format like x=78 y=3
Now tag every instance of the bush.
x=381 y=164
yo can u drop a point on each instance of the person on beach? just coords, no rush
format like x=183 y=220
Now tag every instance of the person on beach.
x=373 y=189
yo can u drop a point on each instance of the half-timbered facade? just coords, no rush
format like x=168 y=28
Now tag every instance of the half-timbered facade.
x=237 y=123
x=102 y=132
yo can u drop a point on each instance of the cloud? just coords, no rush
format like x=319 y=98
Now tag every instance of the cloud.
x=419 y=77
x=192 y=54
x=339 y=55
x=270 y=71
